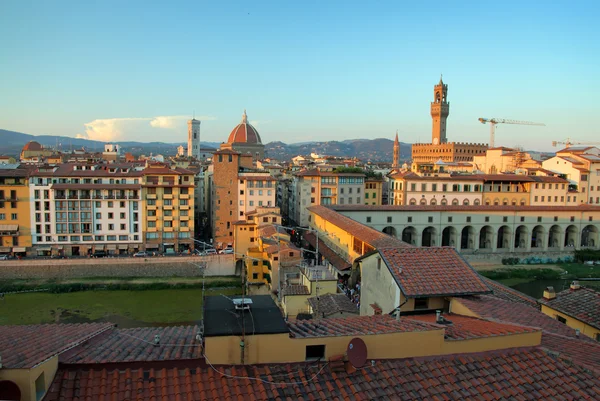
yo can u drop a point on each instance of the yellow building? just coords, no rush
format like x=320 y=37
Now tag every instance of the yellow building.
x=312 y=281
x=15 y=210
x=167 y=208
x=258 y=267
x=373 y=191
x=578 y=307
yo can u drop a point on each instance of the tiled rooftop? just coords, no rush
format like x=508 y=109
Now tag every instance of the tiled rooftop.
x=295 y=289
x=432 y=272
x=508 y=294
x=366 y=234
x=492 y=307
x=356 y=326
x=336 y=260
x=332 y=304
x=133 y=345
x=466 y=328
x=516 y=374
x=23 y=347
x=460 y=208
x=585 y=353
x=582 y=304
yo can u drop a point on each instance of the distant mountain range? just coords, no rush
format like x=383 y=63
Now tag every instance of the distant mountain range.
x=374 y=150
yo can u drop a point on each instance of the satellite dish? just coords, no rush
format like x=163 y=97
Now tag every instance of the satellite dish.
x=357 y=352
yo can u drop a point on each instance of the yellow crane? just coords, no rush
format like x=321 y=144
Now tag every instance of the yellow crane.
x=567 y=142
x=494 y=121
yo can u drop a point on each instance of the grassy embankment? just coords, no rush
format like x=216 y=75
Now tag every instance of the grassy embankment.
x=150 y=300
x=517 y=274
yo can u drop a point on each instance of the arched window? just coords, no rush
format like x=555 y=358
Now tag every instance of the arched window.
x=514 y=202
x=423 y=201
x=466 y=202
x=476 y=202
x=412 y=202
x=433 y=202
x=487 y=202
x=522 y=202
x=444 y=201
x=505 y=201
x=455 y=201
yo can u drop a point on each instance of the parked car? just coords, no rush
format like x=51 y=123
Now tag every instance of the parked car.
x=209 y=251
x=99 y=254
x=4 y=257
x=141 y=254
x=228 y=251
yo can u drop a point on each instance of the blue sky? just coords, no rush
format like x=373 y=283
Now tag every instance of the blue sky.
x=303 y=70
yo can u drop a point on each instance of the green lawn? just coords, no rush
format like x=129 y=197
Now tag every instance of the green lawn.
x=581 y=270
x=152 y=306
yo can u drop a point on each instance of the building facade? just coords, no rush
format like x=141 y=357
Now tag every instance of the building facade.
x=78 y=209
x=168 y=208
x=15 y=210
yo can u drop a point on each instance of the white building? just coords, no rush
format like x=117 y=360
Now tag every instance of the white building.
x=78 y=209
x=255 y=189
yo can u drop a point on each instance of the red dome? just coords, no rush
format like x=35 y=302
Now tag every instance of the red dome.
x=32 y=145
x=244 y=132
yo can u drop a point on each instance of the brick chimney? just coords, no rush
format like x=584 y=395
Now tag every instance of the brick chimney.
x=549 y=293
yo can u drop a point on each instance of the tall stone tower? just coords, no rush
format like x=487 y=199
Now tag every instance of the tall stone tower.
x=440 y=108
x=193 y=145
x=396 y=162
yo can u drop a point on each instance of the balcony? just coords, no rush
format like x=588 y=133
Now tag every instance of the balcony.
x=73 y=197
x=184 y=207
x=184 y=196
x=152 y=218
x=98 y=196
x=150 y=196
x=60 y=196
x=167 y=196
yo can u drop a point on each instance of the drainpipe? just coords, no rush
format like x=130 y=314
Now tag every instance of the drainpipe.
x=399 y=307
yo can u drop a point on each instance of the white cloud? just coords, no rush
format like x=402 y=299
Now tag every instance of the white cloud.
x=135 y=128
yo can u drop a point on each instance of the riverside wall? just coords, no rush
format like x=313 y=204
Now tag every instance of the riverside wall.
x=192 y=266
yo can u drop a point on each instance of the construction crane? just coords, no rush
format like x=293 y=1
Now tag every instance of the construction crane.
x=567 y=142
x=494 y=121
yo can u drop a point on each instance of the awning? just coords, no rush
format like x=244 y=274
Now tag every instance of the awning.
x=9 y=227
x=43 y=248
x=168 y=244
x=111 y=247
x=123 y=246
x=151 y=246
x=19 y=249
x=4 y=248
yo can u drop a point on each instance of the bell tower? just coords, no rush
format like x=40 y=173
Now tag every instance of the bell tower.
x=440 y=108
x=193 y=147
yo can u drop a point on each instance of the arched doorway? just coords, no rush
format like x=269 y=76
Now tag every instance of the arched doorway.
x=589 y=236
x=9 y=391
x=486 y=235
x=537 y=237
x=571 y=237
x=449 y=236
x=503 y=241
x=554 y=237
x=429 y=235
x=409 y=235
x=521 y=237
x=389 y=230
x=467 y=238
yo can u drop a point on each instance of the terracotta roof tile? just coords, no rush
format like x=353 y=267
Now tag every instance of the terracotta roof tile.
x=295 y=289
x=492 y=307
x=516 y=374
x=432 y=272
x=23 y=347
x=585 y=353
x=366 y=234
x=355 y=326
x=129 y=345
x=582 y=304
x=465 y=328
x=332 y=304
x=336 y=260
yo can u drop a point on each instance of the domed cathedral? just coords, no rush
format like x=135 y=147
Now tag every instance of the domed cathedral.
x=425 y=155
x=244 y=138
